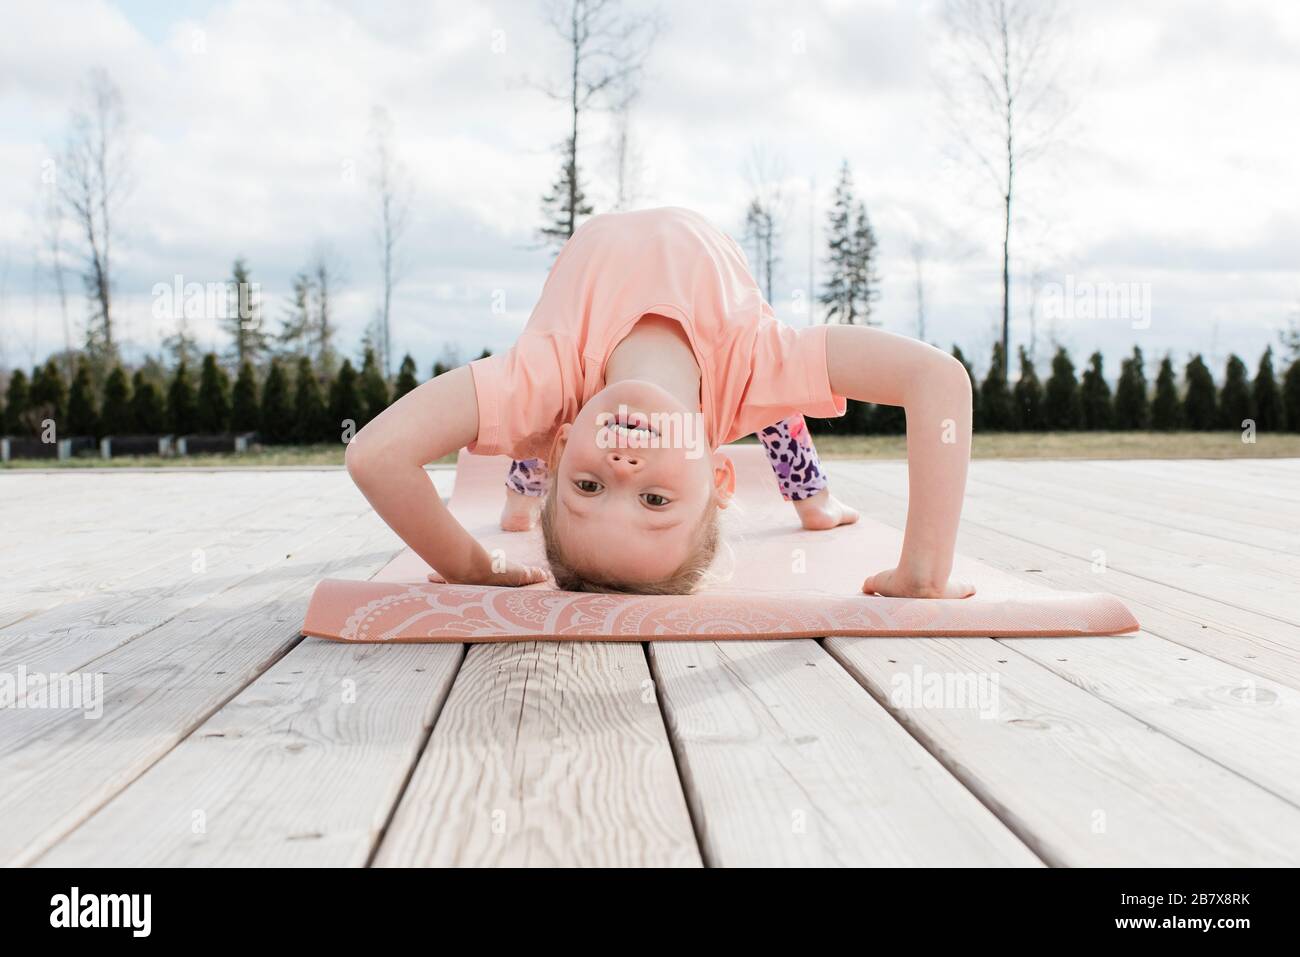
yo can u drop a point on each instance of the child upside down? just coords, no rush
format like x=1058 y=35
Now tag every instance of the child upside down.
x=649 y=349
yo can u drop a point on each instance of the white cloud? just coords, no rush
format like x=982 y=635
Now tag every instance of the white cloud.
x=250 y=122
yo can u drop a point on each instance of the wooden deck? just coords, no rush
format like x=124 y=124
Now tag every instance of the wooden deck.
x=225 y=739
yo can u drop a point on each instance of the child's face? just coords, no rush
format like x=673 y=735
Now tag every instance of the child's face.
x=633 y=513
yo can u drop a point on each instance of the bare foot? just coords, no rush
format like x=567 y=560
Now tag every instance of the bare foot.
x=823 y=511
x=521 y=511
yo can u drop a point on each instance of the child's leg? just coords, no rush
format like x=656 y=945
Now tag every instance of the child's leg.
x=526 y=483
x=800 y=477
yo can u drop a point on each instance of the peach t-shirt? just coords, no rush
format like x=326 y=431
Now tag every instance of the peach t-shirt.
x=616 y=268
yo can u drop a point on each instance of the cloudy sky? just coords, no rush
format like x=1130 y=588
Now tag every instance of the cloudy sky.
x=1174 y=175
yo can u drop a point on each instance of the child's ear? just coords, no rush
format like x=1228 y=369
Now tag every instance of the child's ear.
x=557 y=445
x=724 y=479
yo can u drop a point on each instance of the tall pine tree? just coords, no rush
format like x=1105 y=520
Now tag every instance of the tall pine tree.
x=243 y=320
x=566 y=204
x=851 y=286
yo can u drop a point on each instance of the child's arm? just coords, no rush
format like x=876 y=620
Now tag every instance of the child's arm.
x=871 y=365
x=386 y=459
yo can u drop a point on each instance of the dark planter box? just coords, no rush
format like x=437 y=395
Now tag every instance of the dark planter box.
x=118 y=445
x=22 y=447
x=200 y=444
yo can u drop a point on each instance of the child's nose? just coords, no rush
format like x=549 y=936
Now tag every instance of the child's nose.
x=623 y=461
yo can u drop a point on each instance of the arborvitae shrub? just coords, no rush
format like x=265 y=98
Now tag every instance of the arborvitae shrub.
x=1132 y=407
x=976 y=420
x=1235 y=405
x=374 y=390
x=1270 y=415
x=1166 y=411
x=406 y=378
x=48 y=399
x=182 y=402
x=1200 y=402
x=1028 y=396
x=214 y=397
x=1291 y=396
x=83 y=416
x=115 y=414
x=1064 y=406
x=997 y=410
x=245 y=409
x=16 y=398
x=310 y=419
x=345 y=403
x=1098 y=410
x=277 y=414
x=148 y=411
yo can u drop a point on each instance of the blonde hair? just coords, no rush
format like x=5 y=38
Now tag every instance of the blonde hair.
x=685 y=580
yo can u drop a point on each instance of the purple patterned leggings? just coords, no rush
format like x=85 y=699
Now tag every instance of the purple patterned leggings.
x=789 y=448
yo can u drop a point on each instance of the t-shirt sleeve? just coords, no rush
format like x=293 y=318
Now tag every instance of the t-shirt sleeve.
x=789 y=376
x=523 y=395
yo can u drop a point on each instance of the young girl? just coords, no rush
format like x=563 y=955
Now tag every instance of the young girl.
x=650 y=347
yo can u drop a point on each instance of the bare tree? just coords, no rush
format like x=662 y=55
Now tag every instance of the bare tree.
x=92 y=183
x=764 y=217
x=392 y=193
x=1003 y=97
x=51 y=258
x=628 y=167
x=326 y=275
x=607 y=50
x=918 y=265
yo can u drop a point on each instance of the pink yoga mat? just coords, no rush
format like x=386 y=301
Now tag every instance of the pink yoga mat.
x=777 y=581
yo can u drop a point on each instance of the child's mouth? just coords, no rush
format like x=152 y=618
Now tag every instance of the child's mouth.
x=633 y=424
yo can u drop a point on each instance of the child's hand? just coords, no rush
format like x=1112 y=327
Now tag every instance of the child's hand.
x=510 y=575
x=897 y=584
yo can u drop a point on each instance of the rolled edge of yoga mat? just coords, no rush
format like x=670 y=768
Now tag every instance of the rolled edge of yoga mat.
x=368 y=611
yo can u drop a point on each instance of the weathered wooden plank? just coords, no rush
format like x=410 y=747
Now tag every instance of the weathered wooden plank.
x=788 y=762
x=1259 y=644
x=546 y=754
x=302 y=768
x=72 y=634
x=1082 y=782
x=59 y=767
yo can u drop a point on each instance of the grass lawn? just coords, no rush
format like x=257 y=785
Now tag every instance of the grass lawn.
x=989 y=445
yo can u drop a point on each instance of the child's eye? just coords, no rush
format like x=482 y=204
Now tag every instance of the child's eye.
x=588 y=486
x=654 y=500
